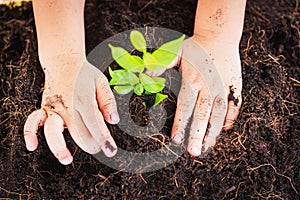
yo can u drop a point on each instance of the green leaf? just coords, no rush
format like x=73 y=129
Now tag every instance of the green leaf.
x=123 y=89
x=117 y=77
x=152 y=85
x=132 y=78
x=111 y=72
x=139 y=89
x=144 y=104
x=159 y=80
x=165 y=54
x=147 y=92
x=122 y=77
x=159 y=98
x=138 y=41
x=126 y=60
x=150 y=62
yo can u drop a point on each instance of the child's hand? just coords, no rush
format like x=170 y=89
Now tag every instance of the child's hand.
x=206 y=102
x=76 y=96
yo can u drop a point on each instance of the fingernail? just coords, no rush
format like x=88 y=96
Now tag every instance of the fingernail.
x=115 y=117
x=110 y=149
x=30 y=147
x=177 y=139
x=110 y=146
x=66 y=161
x=195 y=151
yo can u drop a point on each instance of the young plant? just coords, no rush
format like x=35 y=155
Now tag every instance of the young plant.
x=133 y=77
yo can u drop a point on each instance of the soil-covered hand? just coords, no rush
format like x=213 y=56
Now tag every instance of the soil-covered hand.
x=76 y=96
x=205 y=103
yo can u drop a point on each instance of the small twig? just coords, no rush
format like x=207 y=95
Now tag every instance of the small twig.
x=274 y=59
x=230 y=189
x=260 y=15
x=279 y=174
x=141 y=176
x=237 y=190
x=238 y=138
x=14 y=193
x=197 y=161
x=164 y=144
x=295 y=80
x=286 y=101
x=146 y=5
x=105 y=179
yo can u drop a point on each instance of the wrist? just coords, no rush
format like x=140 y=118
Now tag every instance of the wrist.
x=220 y=20
x=206 y=36
x=64 y=65
x=221 y=52
x=209 y=42
x=50 y=61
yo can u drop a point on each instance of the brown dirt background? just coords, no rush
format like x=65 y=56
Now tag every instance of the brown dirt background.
x=258 y=159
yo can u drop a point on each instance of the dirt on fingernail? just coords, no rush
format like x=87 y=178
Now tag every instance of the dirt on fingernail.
x=231 y=96
x=110 y=147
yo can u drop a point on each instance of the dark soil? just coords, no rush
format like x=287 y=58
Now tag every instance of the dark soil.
x=258 y=159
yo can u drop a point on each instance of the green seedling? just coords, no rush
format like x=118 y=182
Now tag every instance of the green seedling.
x=132 y=76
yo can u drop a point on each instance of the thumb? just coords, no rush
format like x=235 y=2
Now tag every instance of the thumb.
x=106 y=100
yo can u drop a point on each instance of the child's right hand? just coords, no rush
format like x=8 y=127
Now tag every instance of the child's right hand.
x=76 y=96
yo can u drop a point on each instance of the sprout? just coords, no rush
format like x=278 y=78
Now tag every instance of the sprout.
x=132 y=76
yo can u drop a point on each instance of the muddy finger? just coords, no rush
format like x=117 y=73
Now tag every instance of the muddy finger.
x=54 y=127
x=199 y=123
x=32 y=124
x=216 y=121
x=106 y=101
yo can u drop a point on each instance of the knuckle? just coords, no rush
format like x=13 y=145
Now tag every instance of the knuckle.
x=108 y=103
x=28 y=133
x=201 y=116
x=55 y=103
x=219 y=115
x=194 y=79
x=101 y=79
x=221 y=104
x=233 y=110
x=206 y=101
x=195 y=137
x=191 y=76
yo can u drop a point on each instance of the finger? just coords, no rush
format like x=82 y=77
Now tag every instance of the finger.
x=32 y=124
x=216 y=121
x=234 y=105
x=81 y=134
x=94 y=122
x=110 y=147
x=54 y=126
x=106 y=100
x=186 y=101
x=199 y=124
